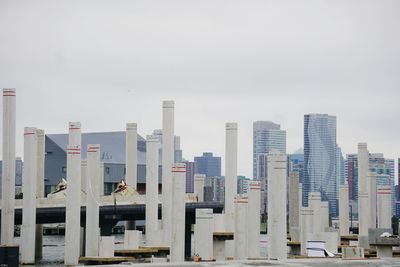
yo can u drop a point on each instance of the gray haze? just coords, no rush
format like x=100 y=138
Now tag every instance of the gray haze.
x=106 y=63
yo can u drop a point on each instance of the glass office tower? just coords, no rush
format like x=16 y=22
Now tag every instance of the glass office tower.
x=320 y=158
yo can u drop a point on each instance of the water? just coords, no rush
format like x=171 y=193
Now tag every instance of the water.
x=53 y=255
x=53 y=250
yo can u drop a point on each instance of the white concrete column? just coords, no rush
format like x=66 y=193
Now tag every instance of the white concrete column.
x=306 y=227
x=177 y=250
x=132 y=239
x=253 y=220
x=363 y=194
x=363 y=221
x=344 y=210
x=152 y=144
x=231 y=143
x=84 y=176
x=384 y=207
x=28 y=229
x=324 y=221
x=293 y=200
x=241 y=227
x=219 y=222
x=74 y=136
x=40 y=163
x=300 y=199
x=73 y=205
x=40 y=189
x=131 y=154
x=101 y=185
x=167 y=161
x=371 y=179
x=92 y=200
x=8 y=169
x=106 y=246
x=277 y=243
x=314 y=202
x=203 y=234
x=199 y=186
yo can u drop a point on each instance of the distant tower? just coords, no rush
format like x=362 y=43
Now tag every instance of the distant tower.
x=266 y=137
x=340 y=177
x=320 y=158
x=208 y=164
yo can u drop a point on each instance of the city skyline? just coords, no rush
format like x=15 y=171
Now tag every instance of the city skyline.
x=249 y=169
x=233 y=62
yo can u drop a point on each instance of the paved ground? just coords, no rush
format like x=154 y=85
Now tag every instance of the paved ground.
x=291 y=262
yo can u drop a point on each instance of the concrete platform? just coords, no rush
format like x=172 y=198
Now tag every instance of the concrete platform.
x=104 y=260
x=142 y=252
x=223 y=235
x=345 y=240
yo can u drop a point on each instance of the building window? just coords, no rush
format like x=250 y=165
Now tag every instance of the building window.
x=64 y=169
x=107 y=170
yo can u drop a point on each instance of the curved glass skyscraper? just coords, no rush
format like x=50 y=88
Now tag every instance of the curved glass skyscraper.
x=320 y=158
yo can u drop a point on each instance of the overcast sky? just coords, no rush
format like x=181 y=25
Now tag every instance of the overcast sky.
x=106 y=63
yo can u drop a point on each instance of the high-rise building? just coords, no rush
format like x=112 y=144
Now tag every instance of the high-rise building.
x=177 y=149
x=381 y=166
x=215 y=189
x=267 y=136
x=242 y=184
x=190 y=171
x=351 y=174
x=208 y=165
x=340 y=176
x=398 y=178
x=320 y=158
x=296 y=163
x=385 y=173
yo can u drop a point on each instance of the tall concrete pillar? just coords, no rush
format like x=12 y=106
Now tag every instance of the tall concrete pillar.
x=384 y=207
x=241 y=227
x=40 y=189
x=306 y=227
x=131 y=154
x=253 y=220
x=203 y=234
x=300 y=199
x=314 y=202
x=324 y=215
x=8 y=170
x=277 y=247
x=131 y=162
x=231 y=142
x=84 y=175
x=92 y=200
x=152 y=144
x=28 y=229
x=363 y=195
x=101 y=178
x=371 y=179
x=294 y=210
x=199 y=186
x=74 y=135
x=167 y=161
x=177 y=251
x=73 y=205
x=344 y=210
